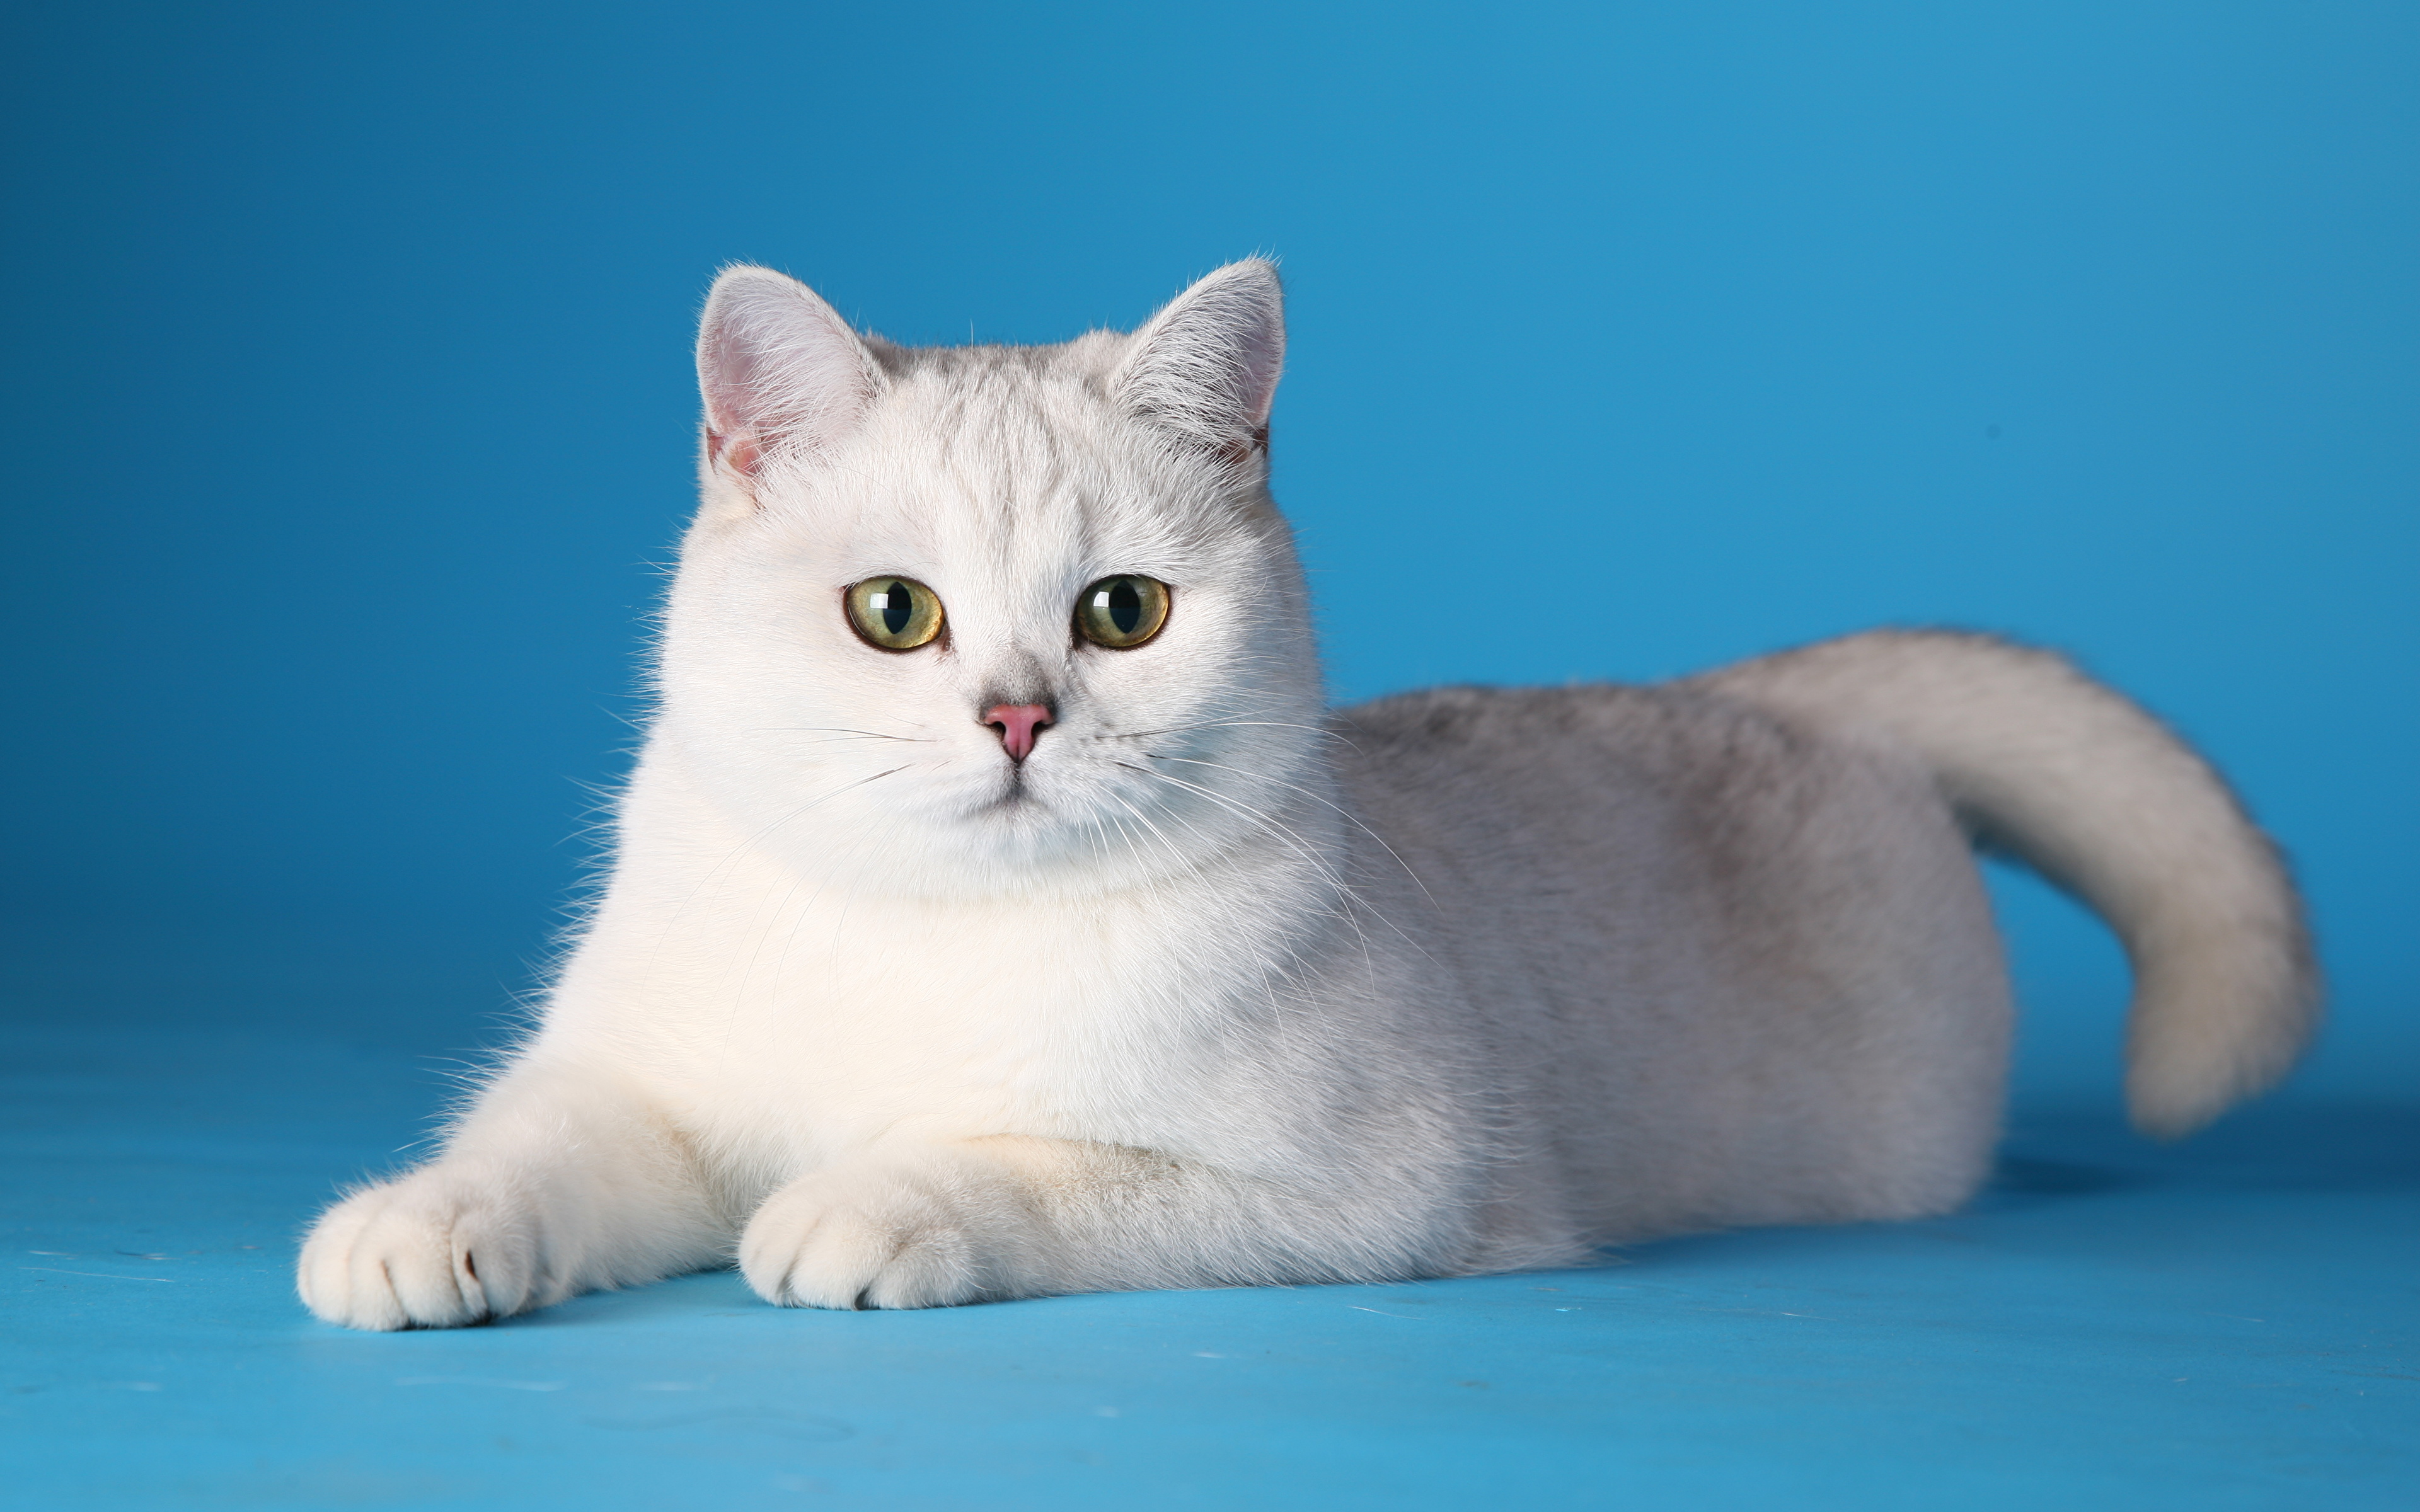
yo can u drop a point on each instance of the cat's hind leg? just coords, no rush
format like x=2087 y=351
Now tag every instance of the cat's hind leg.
x=555 y=1182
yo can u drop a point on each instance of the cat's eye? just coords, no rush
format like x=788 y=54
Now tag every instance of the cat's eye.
x=895 y=614
x=1122 y=613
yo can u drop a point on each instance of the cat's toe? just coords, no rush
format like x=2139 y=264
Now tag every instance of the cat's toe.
x=935 y=1268
x=412 y=1254
x=855 y=1239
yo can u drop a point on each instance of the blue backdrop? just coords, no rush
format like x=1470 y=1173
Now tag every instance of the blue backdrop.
x=349 y=416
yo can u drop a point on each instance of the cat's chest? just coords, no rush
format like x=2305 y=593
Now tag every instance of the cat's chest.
x=811 y=1029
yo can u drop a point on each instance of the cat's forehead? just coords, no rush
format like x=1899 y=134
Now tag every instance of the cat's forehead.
x=1001 y=443
x=1088 y=358
x=1028 y=408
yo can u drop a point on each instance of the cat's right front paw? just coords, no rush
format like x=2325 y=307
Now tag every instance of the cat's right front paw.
x=432 y=1250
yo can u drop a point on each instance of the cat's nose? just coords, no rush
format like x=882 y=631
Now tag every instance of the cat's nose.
x=1017 y=724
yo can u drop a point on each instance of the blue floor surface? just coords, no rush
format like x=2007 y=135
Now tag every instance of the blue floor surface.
x=2229 y=1324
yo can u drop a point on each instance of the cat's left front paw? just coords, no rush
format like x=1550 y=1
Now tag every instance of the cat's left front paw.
x=899 y=1233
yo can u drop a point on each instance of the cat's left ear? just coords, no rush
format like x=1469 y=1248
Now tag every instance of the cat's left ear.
x=1206 y=366
x=780 y=370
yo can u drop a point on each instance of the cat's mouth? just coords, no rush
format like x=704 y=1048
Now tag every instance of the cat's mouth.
x=1016 y=798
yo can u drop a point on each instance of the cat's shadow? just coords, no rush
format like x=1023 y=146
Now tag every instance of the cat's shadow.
x=2027 y=1178
x=718 y=1294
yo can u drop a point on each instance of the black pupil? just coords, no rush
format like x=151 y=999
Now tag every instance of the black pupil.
x=1126 y=607
x=898 y=608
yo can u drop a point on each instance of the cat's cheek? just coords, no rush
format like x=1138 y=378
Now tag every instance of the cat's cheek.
x=425 y=1251
x=892 y=1234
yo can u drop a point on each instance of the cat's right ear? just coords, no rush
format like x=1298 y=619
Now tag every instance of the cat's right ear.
x=782 y=373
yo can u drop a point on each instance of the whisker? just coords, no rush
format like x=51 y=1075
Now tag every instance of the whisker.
x=1176 y=852
x=1194 y=866
x=1224 y=724
x=1292 y=841
x=833 y=729
x=1326 y=872
x=1350 y=817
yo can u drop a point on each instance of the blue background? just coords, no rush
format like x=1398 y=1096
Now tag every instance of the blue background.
x=348 y=424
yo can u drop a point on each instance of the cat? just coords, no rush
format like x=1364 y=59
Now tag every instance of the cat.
x=998 y=910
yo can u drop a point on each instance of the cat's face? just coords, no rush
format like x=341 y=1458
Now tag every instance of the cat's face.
x=1004 y=483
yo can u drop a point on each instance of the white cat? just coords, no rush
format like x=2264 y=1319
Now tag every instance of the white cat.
x=999 y=910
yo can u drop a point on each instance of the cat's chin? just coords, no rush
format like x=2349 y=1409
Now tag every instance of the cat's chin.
x=1015 y=803
x=1021 y=843
x=1010 y=847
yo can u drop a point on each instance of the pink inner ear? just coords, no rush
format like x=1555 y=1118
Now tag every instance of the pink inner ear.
x=737 y=451
x=778 y=370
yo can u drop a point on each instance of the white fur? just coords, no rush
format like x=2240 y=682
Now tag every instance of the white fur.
x=1218 y=987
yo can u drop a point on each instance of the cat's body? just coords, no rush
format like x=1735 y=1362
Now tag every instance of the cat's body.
x=1179 y=979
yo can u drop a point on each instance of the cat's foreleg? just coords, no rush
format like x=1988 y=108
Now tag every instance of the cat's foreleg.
x=556 y=1181
x=1014 y=1216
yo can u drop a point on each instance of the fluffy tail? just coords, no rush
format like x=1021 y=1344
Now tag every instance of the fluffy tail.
x=2070 y=777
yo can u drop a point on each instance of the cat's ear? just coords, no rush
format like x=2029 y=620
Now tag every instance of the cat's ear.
x=1206 y=366
x=780 y=370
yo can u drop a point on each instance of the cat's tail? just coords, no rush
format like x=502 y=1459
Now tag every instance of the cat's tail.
x=2072 y=777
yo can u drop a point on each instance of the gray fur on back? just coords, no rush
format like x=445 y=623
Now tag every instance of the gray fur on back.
x=1734 y=971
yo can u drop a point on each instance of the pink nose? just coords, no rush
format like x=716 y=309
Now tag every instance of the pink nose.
x=1017 y=723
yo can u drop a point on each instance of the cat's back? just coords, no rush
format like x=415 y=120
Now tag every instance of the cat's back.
x=1436 y=733
x=1577 y=837
x=1672 y=913
x=1676 y=808
x=1488 y=772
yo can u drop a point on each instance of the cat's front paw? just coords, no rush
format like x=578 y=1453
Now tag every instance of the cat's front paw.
x=927 y=1233
x=433 y=1250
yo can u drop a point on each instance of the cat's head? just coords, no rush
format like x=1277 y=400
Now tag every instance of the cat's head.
x=963 y=621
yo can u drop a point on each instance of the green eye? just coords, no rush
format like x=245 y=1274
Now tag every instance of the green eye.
x=1122 y=613
x=895 y=614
